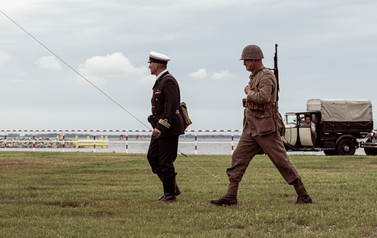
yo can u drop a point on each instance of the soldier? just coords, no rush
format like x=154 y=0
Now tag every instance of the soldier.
x=167 y=125
x=259 y=130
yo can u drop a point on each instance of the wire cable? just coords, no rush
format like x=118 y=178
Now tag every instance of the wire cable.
x=74 y=69
x=69 y=66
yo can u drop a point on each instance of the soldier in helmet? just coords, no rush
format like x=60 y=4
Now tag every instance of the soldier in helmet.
x=167 y=125
x=259 y=130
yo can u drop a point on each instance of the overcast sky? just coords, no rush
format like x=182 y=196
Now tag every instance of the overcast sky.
x=327 y=49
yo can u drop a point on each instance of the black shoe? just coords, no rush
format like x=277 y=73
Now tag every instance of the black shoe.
x=170 y=191
x=225 y=200
x=177 y=192
x=304 y=199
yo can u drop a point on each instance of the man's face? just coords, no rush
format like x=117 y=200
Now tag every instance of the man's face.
x=153 y=67
x=249 y=64
x=307 y=120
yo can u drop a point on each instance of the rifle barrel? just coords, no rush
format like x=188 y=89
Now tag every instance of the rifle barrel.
x=276 y=70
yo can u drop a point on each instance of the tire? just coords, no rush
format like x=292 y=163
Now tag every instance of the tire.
x=346 y=147
x=330 y=152
x=370 y=151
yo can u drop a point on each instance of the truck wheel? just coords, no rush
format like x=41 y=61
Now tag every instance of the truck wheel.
x=370 y=151
x=346 y=147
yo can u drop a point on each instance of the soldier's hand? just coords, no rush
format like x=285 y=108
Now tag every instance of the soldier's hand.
x=247 y=88
x=156 y=132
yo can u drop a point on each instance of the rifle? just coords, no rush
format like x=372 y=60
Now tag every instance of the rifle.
x=276 y=73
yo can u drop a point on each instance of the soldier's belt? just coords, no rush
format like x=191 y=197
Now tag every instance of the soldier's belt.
x=257 y=106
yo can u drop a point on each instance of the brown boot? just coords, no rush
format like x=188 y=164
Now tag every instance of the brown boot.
x=306 y=199
x=226 y=200
x=303 y=196
x=230 y=197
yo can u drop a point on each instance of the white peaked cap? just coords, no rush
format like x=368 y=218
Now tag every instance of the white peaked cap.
x=158 y=57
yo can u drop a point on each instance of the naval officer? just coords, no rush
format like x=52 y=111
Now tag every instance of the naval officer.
x=167 y=125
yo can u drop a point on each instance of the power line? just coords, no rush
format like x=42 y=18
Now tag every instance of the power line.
x=69 y=66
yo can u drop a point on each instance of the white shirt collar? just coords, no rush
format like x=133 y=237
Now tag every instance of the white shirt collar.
x=158 y=76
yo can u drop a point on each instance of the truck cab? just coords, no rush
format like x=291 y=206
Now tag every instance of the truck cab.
x=299 y=132
x=331 y=126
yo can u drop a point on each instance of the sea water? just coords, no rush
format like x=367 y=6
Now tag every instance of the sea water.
x=224 y=146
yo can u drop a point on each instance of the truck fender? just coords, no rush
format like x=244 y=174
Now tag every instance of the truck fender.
x=348 y=137
x=370 y=136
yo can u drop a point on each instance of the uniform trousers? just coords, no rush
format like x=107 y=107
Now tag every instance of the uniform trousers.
x=162 y=153
x=248 y=147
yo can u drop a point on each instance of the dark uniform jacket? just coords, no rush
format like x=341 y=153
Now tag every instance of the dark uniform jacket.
x=263 y=91
x=165 y=103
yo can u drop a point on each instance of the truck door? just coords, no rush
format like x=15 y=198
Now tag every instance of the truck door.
x=290 y=136
x=306 y=130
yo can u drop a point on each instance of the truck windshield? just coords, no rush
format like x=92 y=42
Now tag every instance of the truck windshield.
x=290 y=118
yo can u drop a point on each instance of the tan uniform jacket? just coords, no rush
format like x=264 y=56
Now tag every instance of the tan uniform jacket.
x=263 y=91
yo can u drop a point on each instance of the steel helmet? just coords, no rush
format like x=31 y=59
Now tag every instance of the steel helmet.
x=252 y=52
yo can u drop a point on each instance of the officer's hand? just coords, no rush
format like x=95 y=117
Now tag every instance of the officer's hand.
x=247 y=88
x=156 y=132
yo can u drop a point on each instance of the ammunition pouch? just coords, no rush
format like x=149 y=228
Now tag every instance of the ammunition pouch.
x=279 y=123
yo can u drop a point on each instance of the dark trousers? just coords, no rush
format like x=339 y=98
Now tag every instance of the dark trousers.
x=161 y=155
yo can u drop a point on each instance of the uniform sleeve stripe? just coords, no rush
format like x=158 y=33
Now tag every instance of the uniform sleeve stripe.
x=164 y=123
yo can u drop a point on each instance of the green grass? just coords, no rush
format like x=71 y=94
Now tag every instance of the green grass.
x=113 y=195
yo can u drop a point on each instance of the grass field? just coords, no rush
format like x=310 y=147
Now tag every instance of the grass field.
x=47 y=194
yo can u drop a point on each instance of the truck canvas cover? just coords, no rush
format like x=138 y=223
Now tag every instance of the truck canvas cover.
x=341 y=110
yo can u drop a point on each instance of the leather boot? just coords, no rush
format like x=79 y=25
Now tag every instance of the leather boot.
x=233 y=188
x=299 y=187
x=302 y=195
x=169 y=189
x=304 y=199
x=177 y=191
x=228 y=199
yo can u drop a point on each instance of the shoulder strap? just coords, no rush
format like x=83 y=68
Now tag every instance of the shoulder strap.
x=256 y=78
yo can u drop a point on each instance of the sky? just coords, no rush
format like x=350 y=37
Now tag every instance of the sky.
x=327 y=49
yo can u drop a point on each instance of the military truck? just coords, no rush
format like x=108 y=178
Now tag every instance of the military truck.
x=332 y=126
